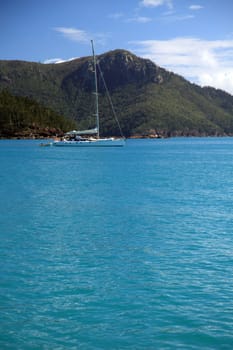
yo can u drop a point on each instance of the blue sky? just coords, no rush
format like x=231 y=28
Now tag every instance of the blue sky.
x=193 y=38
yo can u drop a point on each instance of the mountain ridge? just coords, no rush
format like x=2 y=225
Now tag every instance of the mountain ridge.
x=149 y=100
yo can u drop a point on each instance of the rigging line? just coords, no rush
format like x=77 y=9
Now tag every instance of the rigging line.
x=110 y=100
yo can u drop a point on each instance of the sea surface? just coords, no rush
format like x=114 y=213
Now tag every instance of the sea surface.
x=126 y=248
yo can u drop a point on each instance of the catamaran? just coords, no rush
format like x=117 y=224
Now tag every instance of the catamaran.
x=91 y=137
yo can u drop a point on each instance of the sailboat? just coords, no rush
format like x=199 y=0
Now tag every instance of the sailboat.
x=91 y=137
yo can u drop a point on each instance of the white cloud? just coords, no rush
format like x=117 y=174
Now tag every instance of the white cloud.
x=139 y=19
x=201 y=61
x=58 y=60
x=53 y=60
x=155 y=3
x=170 y=17
x=82 y=36
x=135 y=18
x=74 y=34
x=152 y=3
x=116 y=15
x=195 y=7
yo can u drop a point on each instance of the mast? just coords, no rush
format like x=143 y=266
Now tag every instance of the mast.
x=96 y=91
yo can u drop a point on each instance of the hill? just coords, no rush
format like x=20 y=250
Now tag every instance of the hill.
x=149 y=100
x=22 y=117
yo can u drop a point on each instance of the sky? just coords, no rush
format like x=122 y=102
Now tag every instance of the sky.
x=193 y=38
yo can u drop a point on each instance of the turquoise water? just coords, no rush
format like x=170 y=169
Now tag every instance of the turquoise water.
x=126 y=248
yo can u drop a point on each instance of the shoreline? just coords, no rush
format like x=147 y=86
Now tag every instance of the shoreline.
x=134 y=137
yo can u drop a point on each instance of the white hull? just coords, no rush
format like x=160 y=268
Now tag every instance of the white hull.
x=108 y=142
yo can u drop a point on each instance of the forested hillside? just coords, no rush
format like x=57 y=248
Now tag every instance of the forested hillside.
x=148 y=99
x=23 y=117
